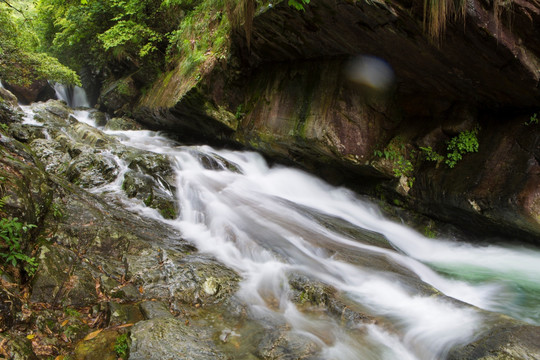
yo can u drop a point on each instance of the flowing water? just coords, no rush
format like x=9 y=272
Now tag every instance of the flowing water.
x=74 y=96
x=271 y=222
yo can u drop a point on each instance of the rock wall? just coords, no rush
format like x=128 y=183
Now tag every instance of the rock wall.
x=288 y=95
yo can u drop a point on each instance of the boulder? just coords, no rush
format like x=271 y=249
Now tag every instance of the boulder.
x=8 y=97
x=39 y=90
x=101 y=347
x=122 y=123
x=170 y=338
x=61 y=279
x=118 y=96
x=509 y=340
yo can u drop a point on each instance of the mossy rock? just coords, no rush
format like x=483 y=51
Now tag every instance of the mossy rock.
x=62 y=279
x=151 y=193
x=506 y=340
x=89 y=170
x=99 y=118
x=124 y=313
x=122 y=123
x=101 y=347
x=26 y=133
x=118 y=96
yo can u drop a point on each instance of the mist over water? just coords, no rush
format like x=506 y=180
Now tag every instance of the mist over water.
x=272 y=223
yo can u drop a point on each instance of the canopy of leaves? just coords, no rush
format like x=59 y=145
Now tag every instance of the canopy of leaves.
x=20 y=61
x=135 y=34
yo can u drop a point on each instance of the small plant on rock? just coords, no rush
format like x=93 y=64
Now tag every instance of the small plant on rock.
x=11 y=234
x=465 y=142
x=121 y=346
x=533 y=120
x=431 y=155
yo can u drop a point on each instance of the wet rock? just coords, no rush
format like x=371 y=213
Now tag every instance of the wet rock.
x=89 y=170
x=191 y=279
x=288 y=345
x=99 y=118
x=462 y=117
x=8 y=113
x=506 y=341
x=27 y=189
x=89 y=135
x=101 y=347
x=312 y=293
x=26 y=133
x=156 y=165
x=51 y=154
x=155 y=309
x=8 y=97
x=122 y=123
x=152 y=193
x=124 y=314
x=61 y=279
x=54 y=113
x=170 y=338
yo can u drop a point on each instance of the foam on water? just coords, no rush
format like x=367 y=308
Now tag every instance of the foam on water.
x=254 y=218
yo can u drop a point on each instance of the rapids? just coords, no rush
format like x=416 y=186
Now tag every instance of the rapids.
x=423 y=296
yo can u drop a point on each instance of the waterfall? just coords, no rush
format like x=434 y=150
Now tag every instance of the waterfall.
x=421 y=296
x=74 y=96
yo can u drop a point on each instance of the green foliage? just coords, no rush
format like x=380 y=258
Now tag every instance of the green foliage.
x=57 y=211
x=298 y=4
x=202 y=34
x=4 y=127
x=121 y=346
x=465 y=142
x=11 y=236
x=429 y=232
x=131 y=34
x=240 y=112
x=395 y=152
x=20 y=61
x=533 y=120
x=72 y=312
x=431 y=155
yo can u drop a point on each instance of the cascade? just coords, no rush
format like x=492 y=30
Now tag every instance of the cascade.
x=74 y=96
x=272 y=223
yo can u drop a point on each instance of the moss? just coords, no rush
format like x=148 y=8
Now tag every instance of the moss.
x=148 y=201
x=168 y=213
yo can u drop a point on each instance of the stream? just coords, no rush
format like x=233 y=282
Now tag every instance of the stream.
x=423 y=296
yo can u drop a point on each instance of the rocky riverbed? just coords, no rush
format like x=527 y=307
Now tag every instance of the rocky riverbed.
x=111 y=283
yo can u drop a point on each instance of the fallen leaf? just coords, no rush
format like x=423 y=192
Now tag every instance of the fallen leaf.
x=125 y=325
x=59 y=357
x=141 y=290
x=64 y=323
x=31 y=336
x=92 y=335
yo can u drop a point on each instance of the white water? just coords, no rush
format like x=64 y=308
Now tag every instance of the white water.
x=74 y=96
x=255 y=221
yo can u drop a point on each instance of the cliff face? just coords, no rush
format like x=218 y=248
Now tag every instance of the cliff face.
x=289 y=96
